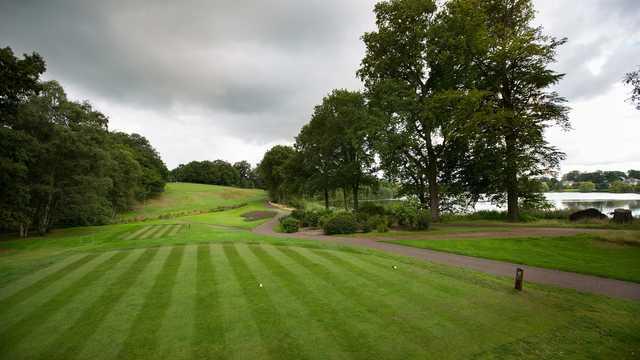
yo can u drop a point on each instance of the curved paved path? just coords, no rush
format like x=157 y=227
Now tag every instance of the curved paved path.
x=580 y=282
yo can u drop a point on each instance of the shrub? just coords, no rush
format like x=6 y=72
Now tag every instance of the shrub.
x=382 y=226
x=371 y=209
x=403 y=214
x=298 y=214
x=324 y=219
x=422 y=220
x=379 y=223
x=341 y=223
x=289 y=224
x=310 y=219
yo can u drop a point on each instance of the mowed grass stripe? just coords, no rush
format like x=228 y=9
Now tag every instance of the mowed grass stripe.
x=111 y=333
x=489 y=298
x=299 y=323
x=20 y=330
x=176 y=331
x=316 y=305
x=150 y=232
x=25 y=287
x=164 y=229
x=276 y=337
x=242 y=341
x=43 y=337
x=72 y=340
x=384 y=317
x=175 y=229
x=445 y=313
x=136 y=233
x=208 y=337
x=142 y=340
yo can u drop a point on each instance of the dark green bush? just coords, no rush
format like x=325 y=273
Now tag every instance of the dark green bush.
x=403 y=214
x=371 y=209
x=324 y=219
x=378 y=223
x=422 y=220
x=298 y=214
x=341 y=223
x=289 y=224
x=311 y=218
x=382 y=226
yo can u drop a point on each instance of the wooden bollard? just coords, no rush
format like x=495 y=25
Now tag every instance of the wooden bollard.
x=519 y=278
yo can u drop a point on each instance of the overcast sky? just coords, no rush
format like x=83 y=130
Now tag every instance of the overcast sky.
x=207 y=79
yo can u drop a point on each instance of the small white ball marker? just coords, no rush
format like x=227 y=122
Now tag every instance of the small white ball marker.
x=260 y=285
x=395 y=267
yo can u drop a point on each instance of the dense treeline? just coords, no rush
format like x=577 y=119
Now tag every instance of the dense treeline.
x=614 y=181
x=457 y=98
x=218 y=172
x=59 y=163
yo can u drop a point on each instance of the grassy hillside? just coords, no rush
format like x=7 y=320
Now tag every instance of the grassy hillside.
x=203 y=286
x=184 y=198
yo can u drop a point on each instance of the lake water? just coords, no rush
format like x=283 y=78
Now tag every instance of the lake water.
x=605 y=202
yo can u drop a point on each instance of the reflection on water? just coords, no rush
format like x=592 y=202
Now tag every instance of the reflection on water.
x=605 y=202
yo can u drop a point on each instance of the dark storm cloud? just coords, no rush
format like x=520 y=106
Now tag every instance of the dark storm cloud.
x=266 y=58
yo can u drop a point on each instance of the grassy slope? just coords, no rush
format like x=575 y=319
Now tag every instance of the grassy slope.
x=581 y=253
x=185 y=197
x=137 y=291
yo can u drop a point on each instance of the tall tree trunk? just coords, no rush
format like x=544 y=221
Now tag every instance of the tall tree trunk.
x=513 y=210
x=326 y=198
x=356 y=187
x=43 y=224
x=344 y=198
x=434 y=191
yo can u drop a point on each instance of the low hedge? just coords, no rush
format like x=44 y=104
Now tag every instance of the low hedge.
x=341 y=223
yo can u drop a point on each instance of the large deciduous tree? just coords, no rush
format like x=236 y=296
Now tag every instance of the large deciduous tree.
x=517 y=74
x=335 y=145
x=273 y=171
x=59 y=164
x=425 y=103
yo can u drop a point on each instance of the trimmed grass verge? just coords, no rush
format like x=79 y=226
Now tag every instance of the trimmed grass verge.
x=587 y=254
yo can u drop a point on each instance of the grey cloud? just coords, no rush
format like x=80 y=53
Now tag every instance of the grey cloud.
x=216 y=72
x=598 y=31
x=258 y=59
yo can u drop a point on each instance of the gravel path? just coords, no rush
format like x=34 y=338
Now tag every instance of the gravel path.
x=580 y=282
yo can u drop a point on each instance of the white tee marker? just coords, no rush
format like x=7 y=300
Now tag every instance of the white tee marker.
x=395 y=267
x=260 y=285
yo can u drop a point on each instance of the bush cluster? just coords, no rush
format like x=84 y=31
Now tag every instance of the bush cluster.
x=370 y=217
x=289 y=224
x=409 y=216
x=310 y=218
x=341 y=223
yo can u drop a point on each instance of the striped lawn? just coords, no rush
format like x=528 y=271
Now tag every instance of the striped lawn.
x=154 y=231
x=205 y=302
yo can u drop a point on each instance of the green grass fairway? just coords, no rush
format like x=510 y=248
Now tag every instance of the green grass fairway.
x=205 y=287
x=581 y=253
x=183 y=198
x=205 y=301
